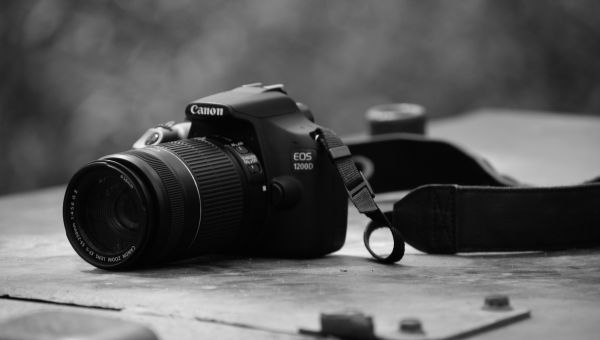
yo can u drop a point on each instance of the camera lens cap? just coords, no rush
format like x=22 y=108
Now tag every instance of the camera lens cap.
x=398 y=117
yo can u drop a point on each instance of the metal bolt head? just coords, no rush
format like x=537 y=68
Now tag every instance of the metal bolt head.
x=411 y=325
x=497 y=302
x=348 y=324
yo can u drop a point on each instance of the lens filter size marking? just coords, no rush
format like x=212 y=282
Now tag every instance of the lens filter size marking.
x=127 y=180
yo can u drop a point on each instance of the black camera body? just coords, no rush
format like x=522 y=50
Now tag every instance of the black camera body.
x=243 y=175
x=306 y=203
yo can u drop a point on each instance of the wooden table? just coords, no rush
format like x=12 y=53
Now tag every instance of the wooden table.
x=250 y=298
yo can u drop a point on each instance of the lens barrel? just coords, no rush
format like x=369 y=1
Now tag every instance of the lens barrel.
x=162 y=203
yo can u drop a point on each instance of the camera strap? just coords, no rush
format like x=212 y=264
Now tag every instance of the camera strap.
x=360 y=194
x=459 y=203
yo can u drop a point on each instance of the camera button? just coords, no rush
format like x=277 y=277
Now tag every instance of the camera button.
x=153 y=138
x=241 y=149
x=254 y=168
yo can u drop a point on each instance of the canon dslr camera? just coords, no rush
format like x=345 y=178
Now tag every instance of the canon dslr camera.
x=242 y=175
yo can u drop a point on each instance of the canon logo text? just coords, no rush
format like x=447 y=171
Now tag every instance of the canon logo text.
x=206 y=111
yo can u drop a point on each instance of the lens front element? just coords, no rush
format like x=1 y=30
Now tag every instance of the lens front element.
x=106 y=213
x=113 y=211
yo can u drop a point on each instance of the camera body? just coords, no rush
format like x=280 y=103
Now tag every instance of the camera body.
x=242 y=175
x=306 y=205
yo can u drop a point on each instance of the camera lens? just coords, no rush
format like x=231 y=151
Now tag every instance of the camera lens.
x=165 y=202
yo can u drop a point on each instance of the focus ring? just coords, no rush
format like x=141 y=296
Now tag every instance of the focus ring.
x=220 y=186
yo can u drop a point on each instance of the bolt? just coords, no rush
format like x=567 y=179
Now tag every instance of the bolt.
x=411 y=325
x=497 y=302
x=348 y=324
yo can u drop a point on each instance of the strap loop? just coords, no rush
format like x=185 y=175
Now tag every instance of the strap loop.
x=377 y=223
x=360 y=193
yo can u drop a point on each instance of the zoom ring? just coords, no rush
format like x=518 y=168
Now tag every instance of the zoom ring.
x=176 y=211
x=220 y=186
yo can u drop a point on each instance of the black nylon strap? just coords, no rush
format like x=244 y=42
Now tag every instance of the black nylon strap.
x=360 y=193
x=461 y=204
x=451 y=218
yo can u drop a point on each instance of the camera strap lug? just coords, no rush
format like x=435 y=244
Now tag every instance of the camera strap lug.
x=360 y=193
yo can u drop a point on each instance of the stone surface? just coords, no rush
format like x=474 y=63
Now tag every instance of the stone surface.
x=258 y=298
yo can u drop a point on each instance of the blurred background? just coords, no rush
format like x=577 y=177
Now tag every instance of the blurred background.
x=80 y=79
